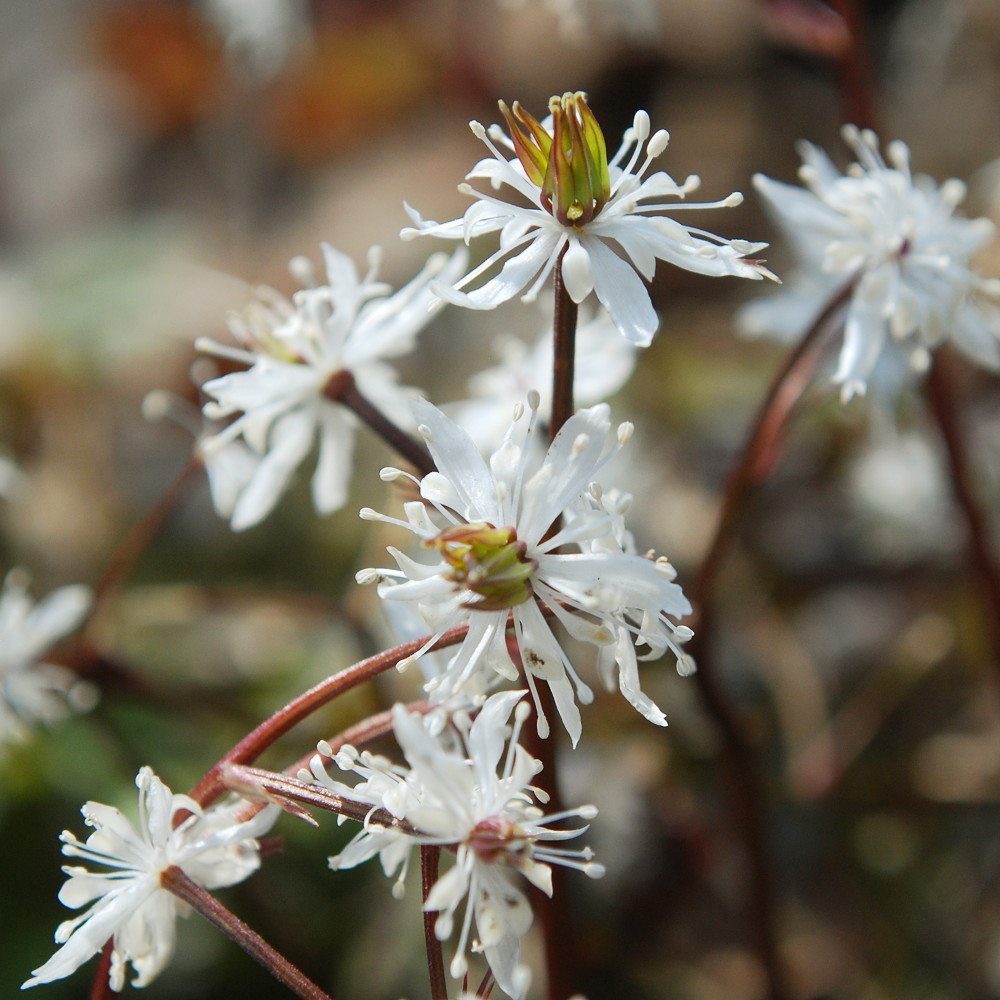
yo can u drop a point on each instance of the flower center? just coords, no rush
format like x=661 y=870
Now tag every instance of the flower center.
x=570 y=165
x=489 y=561
x=497 y=840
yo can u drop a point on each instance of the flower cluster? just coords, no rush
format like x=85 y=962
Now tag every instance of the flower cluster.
x=129 y=905
x=586 y=213
x=896 y=238
x=31 y=690
x=463 y=792
x=502 y=532
x=300 y=354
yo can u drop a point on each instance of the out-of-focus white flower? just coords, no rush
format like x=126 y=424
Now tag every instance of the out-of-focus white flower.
x=603 y=363
x=295 y=350
x=261 y=33
x=591 y=208
x=462 y=791
x=31 y=690
x=896 y=237
x=501 y=556
x=127 y=901
x=637 y=19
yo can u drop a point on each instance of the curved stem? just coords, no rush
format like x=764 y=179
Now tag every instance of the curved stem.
x=943 y=399
x=430 y=856
x=762 y=450
x=758 y=458
x=342 y=388
x=210 y=787
x=174 y=880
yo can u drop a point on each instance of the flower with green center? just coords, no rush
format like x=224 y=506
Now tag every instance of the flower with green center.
x=583 y=209
x=489 y=561
x=523 y=540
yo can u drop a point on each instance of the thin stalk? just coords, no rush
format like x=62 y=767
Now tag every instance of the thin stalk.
x=210 y=787
x=175 y=881
x=430 y=857
x=553 y=911
x=140 y=537
x=100 y=988
x=564 y=350
x=259 y=785
x=854 y=74
x=342 y=388
x=758 y=458
x=943 y=398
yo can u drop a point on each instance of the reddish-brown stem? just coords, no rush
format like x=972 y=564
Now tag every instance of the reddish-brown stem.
x=943 y=398
x=100 y=989
x=140 y=537
x=342 y=388
x=761 y=452
x=757 y=460
x=174 y=880
x=854 y=74
x=430 y=856
x=564 y=350
x=553 y=911
x=251 y=746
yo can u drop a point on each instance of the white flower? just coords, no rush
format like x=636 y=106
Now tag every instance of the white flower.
x=896 y=237
x=127 y=901
x=491 y=526
x=580 y=202
x=453 y=795
x=602 y=364
x=635 y=19
x=32 y=690
x=264 y=33
x=297 y=350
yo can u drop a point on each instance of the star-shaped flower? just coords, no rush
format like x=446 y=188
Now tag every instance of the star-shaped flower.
x=502 y=555
x=296 y=350
x=896 y=237
x=453 y=795
x=127 y=901
x=31 y=690
x=581 y=203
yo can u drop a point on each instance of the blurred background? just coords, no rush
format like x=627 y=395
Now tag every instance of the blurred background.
x=158 y=159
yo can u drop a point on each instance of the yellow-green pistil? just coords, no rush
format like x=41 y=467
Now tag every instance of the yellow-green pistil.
x=570 y=165
x=488 y=561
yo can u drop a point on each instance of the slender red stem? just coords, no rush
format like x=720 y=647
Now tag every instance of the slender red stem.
x=342 y=388
x=564 y=351
x=553 y=911
x=174 y=880
x=430 y=857
x=757 y=460
x=943 y=399
x=140 y=537
x=210 y=787
x=100 y=989
x=854 y=73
